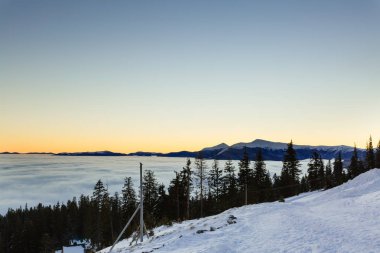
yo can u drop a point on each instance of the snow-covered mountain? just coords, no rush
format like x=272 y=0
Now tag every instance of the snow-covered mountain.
x=342 y=219
x=273 y=151
x=259 y=143
x=217 y=147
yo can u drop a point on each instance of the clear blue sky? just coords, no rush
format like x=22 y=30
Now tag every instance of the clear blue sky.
x=172 y=75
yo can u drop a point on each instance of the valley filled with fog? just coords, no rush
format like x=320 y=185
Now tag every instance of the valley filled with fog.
x=47 y=179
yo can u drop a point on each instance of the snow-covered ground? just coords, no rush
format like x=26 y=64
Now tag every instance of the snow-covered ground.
x=342 y=219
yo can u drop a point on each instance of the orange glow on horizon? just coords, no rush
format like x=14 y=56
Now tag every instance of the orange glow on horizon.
x=25 y=144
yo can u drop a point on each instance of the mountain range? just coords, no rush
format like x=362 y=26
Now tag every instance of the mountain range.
x=271 y=151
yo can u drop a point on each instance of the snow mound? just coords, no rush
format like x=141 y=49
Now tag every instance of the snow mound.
x=342 y=219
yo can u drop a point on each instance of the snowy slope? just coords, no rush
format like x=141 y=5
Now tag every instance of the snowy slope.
x=343 y=219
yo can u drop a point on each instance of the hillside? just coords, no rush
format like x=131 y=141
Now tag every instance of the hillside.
x=342 y=219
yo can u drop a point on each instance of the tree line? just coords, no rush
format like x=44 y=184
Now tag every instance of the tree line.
x=195 y=191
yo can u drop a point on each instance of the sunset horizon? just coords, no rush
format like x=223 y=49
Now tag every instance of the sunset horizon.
x=128 y=76
x=189 y=126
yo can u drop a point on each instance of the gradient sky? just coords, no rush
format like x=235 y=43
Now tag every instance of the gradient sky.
x=181 y=75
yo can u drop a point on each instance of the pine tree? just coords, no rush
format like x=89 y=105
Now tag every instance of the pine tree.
x=304 y=184
x=230 y=182
x=98 y=194
x=85 y=216
x=338 y=170
x=116 y=217
x=106 y=219
x=200 y=173
x=377 y=156
x=313 y=172
x=321 y=173
x=129 y=199
x=316 y=173
x=128 y=204
x=47 y=244
x=354 y=164
x=150 y=194
x=370 y=155
x=245 y=175
x=290 y=172
x=161 y=213
x=150 y=190
x=215 y=182
x=328 y=176
x=261 y=179
x=175 y=194
x=97 y=200
x=187 y=183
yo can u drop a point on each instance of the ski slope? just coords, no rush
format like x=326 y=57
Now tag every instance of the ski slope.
x=342 y=219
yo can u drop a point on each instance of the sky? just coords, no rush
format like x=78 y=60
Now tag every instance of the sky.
x=182 y=75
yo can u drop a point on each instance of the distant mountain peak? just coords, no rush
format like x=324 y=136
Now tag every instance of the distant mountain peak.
x=219 y=146
x=260 y=143
x=94 y=153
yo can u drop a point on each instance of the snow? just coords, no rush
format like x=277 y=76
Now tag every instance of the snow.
x=342 y=219
x=73 y=249
x=258 y=143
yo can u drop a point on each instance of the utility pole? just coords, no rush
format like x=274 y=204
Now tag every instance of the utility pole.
x=141 y=206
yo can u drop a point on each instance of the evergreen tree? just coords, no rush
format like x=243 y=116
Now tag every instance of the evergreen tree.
x=200 y=174
x=304 y=187
x=245 y=175
x=277 y=184
x=98 y=194
x=161 y=212
x=150 y=193
x=176 y=194
x=116 y=217
x=129 y=199
x=215 y=182
x=338 y=170
x=354 y=164
x=230 y=182
x=97 y=200
x=128 y=204
x=187 y=184
x=316 y=173
x=290 y=172
x=328 y=176
x=85 y=213
x=377 y=156
x=313 y=172
x=47 y=244
x=321 y=174
x=150 y=190
x=261 y=178
x=106 y=219
x=370 y=155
